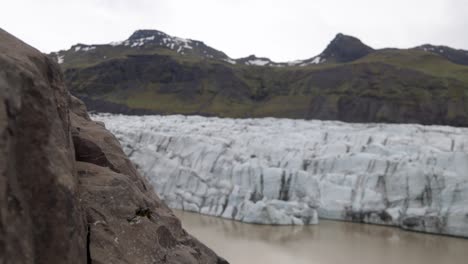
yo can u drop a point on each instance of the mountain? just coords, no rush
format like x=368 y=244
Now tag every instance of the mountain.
x=69 y=194
x=140 y=42
x=345 y=49
x=152 y=72
x=341 y=49
x=153 y=38
x=453 y=55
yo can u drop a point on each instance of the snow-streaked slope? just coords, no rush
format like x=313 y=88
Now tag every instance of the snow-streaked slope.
x=280 y=171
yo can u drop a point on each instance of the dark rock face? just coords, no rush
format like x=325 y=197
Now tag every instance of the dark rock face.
x=68 y=192
x=127 y=223
x=345 y=49
x=383 y=93
x=357 y=92
x=139 y=71
x=41 y=220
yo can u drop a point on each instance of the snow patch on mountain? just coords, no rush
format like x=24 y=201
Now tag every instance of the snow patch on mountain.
x=153 y=38
x=281 y=171
x=159 y=39
x=185 y=43
x=316 y=60
x=231 y=61
x=299 y=63
x=294 y=63
x=116 y=43
x=258 y=62
x=60 y=59
x=428 y=48
x=302 y=63
x=84 y=48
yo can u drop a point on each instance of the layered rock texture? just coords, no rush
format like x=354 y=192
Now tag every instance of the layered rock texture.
x=283 y=171
x=152 y=72
x=68 y=193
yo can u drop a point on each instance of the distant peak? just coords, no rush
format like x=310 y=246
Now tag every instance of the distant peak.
x=144 y=33
x=254 y=60
x=344 y=48
x=339 y=35
x=254 y=57
x=343 y=37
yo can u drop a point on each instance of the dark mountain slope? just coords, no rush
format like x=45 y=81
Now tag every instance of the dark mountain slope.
x=345 y=49
x=349 y=81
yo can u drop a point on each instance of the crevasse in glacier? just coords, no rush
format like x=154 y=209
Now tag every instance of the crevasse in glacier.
x=281 y=171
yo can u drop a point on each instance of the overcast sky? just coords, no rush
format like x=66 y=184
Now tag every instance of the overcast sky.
x=279 y=29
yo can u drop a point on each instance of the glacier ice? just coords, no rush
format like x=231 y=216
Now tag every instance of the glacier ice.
x=282 y=171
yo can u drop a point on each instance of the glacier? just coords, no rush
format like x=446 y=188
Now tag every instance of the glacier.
x=284 y=171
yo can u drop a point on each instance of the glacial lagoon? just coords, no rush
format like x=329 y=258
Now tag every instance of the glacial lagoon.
x=330 y=242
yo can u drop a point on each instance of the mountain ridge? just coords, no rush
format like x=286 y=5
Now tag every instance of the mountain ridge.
x=348 y=81
x=342 y=48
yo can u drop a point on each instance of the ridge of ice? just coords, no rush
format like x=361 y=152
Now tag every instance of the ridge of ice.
x=282 y=171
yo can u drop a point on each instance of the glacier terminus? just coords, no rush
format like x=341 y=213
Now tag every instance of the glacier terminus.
x=285 y=171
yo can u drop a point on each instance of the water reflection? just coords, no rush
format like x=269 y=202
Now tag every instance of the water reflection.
x=326 y=243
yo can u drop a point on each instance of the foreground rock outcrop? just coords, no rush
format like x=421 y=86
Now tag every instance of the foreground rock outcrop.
x=280 y=171
x=68 y=193
x=41 y=220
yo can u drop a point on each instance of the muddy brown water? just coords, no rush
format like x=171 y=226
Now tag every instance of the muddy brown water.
x=329 y=242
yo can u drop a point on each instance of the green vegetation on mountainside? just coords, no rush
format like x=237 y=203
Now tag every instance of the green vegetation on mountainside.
x=387 y=85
